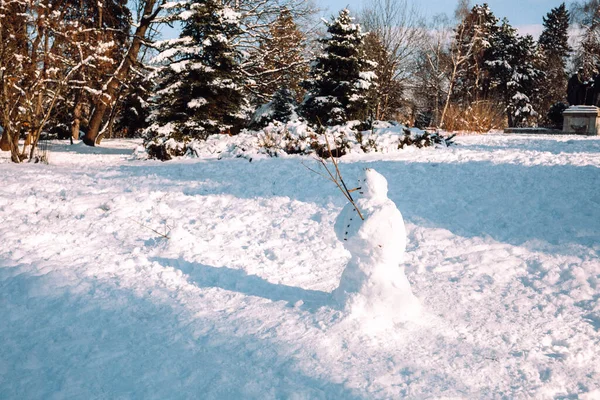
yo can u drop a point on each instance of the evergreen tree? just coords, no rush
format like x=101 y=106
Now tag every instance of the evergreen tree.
x=340 y=77
x=284 y=104
x=473 y=40
x=281 y=108
x=132 y=111
x=200 y=91
x=526 y=86
x=554 y=49
x=279 y=60
x=513 y=74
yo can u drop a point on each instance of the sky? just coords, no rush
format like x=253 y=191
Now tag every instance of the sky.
x=524 y=14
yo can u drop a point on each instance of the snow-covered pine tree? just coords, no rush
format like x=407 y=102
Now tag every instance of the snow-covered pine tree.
x=281 y=108
x=554 y=48
x=340 y=77
x=473 y=40
x=284 y=104
x=513 y=73
x=200 y=88
x=133 y=109
x=526 y=85
x=279 y=60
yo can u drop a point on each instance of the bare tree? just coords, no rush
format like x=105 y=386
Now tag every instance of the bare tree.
x=462 y=10
x=35 y=67
x=13 y=51
x=396 y=31
x=587 y=16
x=400 y=27
x=459 y=56
x=434 y=68
x=108 y=94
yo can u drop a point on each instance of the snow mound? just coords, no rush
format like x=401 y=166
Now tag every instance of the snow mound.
x=373 y=285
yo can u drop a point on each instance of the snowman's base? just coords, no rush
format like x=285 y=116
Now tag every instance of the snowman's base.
x=376 y=291
x=400 y=309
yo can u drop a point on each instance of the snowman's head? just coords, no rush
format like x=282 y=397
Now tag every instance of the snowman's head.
x=373 y=185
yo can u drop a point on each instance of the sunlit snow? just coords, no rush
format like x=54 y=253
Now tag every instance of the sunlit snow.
x=503 y=243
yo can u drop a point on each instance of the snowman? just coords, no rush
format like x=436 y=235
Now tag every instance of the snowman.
x=373 y=284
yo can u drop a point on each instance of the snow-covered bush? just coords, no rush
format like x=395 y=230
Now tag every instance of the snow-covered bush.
x=163 y=144
x=297 y=137
x=424 y=139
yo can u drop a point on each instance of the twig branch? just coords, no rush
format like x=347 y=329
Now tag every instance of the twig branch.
x=337 y=178
x=165 y=235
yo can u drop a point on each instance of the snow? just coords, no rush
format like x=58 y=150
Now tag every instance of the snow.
x=196 y=103
x=503 y=243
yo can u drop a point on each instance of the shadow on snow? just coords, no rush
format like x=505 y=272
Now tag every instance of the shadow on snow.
x=252 y=285
x=105 y=342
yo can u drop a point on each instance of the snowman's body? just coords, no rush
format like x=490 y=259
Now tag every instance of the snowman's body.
x=373 y=282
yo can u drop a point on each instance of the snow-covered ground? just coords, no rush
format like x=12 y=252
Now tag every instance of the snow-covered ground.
x=503 y=254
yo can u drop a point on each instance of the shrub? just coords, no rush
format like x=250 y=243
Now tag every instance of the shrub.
x=424 y=139
x=555 y=114
x=481 y=116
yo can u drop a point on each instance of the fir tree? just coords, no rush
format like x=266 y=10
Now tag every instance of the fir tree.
x=133 y=109
x=526 y=88
x=340 y=77
x=200 y=91
x=284 y=104
x=281 y=108
x=555 y=50
x=511 y=62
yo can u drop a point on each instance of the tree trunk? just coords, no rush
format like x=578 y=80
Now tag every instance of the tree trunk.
x=448 y=95
x=10 y=142
x=4 y=141
x=107 y=97
x=75 y=125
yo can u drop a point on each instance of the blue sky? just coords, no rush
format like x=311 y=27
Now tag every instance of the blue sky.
x=525 y=14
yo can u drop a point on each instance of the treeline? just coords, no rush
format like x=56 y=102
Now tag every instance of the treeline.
x=90 y=69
